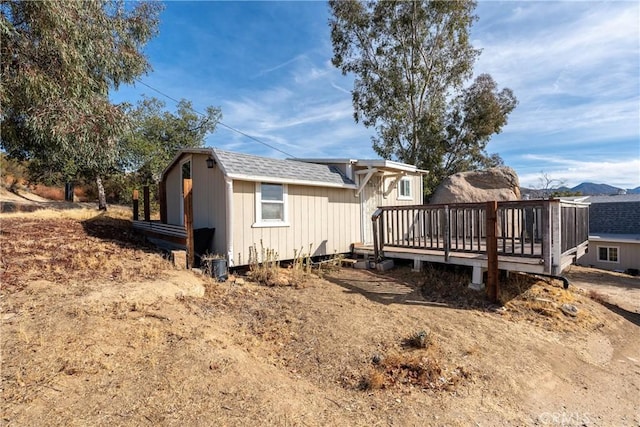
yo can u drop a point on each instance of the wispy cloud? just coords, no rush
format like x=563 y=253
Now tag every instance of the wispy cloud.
x=574 y=171
x=573 y=66
x=279 y=66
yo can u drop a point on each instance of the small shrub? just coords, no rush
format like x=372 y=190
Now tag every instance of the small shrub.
x=420 y=339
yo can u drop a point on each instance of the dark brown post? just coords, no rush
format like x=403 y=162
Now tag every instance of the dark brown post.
x=492 y=251
x=188 y=220
x=147 y=204
x=162 y=198
x=135 y=205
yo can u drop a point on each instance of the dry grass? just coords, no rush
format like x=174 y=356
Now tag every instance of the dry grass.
x=79 y=245
x=50 y=193
x=67 y=210
x=522 y=297
x=541 y=303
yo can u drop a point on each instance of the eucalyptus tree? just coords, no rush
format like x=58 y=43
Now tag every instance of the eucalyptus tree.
x=59 y=60
x=411 y=60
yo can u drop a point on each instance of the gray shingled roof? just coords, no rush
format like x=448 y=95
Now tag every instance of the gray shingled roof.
x=266 y=168
x=616 y=198
x=614 y=217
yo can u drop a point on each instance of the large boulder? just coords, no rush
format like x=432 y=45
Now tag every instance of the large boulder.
x=500 y=183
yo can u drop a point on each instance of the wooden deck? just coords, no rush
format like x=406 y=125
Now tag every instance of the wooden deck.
x=537 y=236
x=166 y=236
x=471 y=259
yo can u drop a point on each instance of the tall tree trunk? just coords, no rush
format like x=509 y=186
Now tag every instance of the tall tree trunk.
x=102 y=198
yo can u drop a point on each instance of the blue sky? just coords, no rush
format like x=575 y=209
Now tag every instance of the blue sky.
x=574 y=66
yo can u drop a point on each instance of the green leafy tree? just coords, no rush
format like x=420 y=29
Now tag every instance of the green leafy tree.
x=154 y=137
x=59 y=59
x=411 y=60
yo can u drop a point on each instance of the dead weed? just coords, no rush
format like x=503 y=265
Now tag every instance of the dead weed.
x=421 y=370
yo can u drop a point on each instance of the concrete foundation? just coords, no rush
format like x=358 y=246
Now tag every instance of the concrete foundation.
x=363 y=264
x=385 y=265
x=476 y=278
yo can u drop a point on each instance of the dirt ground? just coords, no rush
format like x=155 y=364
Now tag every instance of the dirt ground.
x=97 y=328
x=618 y=289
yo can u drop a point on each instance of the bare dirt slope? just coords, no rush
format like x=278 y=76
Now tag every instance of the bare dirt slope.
x=98 y=329
x=619 y=289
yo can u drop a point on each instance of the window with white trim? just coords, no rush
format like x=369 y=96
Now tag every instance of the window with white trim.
x=608 y=253
x=271 y=205
x=404 y=189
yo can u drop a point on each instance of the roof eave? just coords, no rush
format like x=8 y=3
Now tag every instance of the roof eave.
x=257 y=178
x=378 y=163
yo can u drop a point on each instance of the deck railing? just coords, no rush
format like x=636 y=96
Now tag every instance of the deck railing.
x=542 y=229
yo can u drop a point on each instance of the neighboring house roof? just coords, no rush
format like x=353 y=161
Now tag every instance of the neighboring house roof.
x=614 y=215
x=255 y=168
x=617 y=238
x=616 y=198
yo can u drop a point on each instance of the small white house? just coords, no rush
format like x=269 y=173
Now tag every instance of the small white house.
x=287 y=205
x=614 y=232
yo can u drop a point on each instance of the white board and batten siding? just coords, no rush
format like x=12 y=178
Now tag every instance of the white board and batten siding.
x=326 y=218
x=209 y=209
x=173 y=182
x=208 y=195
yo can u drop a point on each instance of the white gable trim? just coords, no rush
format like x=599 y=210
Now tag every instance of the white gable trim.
x=256 y=178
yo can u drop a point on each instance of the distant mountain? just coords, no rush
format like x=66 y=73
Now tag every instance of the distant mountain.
x=591 y=189
x=585 y=189
x=633 y=190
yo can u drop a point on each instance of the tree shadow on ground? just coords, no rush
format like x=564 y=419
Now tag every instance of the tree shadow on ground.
x=603 y=278
x=438 y=285
x=628 y=315
x=118 y=231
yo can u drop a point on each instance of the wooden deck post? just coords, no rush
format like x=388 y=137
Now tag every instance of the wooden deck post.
x=492 y=251
x=147 y=203
x=188 y=220
x=556 y=237
x=447 y=233
x=135 y=205
x=546 y=237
